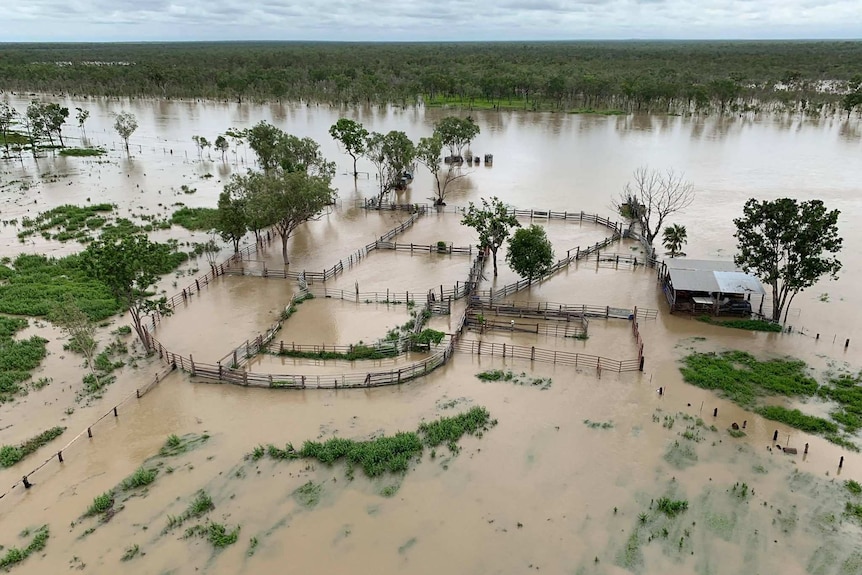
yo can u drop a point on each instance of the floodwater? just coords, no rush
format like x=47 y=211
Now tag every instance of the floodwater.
x=542 y=490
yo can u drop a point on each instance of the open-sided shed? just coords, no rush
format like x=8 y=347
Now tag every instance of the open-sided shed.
x=707 y=286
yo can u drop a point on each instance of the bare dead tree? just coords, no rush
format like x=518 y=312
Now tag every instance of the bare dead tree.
x=652 y=196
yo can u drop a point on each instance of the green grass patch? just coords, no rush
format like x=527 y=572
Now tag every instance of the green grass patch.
x=386 y=454
x=175 y=444
x=218 y=535
x=12 y=454
x=130 y=553
x=82 y=152
x=737 y=433
x=17 y=357
x=543 y=383
x=747 y=324
x=355 y=353
x=101 y=504
x=197 y=508
x=853 y=511
x=599 y=424
x=202 y=219
x=740 y=377
x=14 y=555
x=797 y=419
x=671 y=507
x=853 y=487
x=140 y=478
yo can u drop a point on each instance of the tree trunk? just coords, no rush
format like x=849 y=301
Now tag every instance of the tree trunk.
x=284 y=248
x=235 y=245
x=139 y=328
x=60 y=135
x=494 y=258
x=355 y=173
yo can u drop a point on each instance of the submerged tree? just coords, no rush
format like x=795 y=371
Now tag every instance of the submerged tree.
x=81 y=329
x=651 y=197
x=81 y=116
x=263 y=138
x=673 y=238
x=789 y=245
x=125 y=125
x=222 y=146
x=55 y=116
x=392 y=154
x=231 y=221
x=352 y=136
x=7 y=118
x=530 y=252
x=428 y=154
x=492 y=222
x=456 y=133
x=130 y=267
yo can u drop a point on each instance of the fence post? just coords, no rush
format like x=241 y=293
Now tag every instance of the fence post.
x=504 y=351
x=245 y=378
x=235 y=362
x=192 y=361
x=198 y=284
x=533 y=354
x=219 y=371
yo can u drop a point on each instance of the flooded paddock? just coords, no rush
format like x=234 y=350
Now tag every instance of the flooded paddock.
x=568 y=480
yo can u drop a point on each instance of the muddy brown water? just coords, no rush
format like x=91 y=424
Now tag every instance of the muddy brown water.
x=540 y=491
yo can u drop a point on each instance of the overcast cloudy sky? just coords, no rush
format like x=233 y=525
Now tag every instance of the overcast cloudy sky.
x=376 y=20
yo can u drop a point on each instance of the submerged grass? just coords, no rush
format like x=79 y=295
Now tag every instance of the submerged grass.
x=747 y=324
x=15 y=555
x=140 y=478
x=82 y=152
x=18 y=358
x=195 y=219
x=358 y=352
x=742 y=378
x=386 y=454
x=12 y=454
x=542 y=383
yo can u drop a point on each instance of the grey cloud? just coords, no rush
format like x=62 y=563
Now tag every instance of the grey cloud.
x=93 y=20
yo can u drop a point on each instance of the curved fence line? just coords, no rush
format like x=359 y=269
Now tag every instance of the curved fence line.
x=532 y=353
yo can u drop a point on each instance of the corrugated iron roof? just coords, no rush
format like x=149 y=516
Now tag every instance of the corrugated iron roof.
x=711 y=276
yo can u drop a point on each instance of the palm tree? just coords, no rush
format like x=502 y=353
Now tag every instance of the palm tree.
x=674 y=238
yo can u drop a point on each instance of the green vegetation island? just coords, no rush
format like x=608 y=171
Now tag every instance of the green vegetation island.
x=677 y=77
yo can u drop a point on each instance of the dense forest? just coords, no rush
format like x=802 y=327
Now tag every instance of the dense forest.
x=677 y=77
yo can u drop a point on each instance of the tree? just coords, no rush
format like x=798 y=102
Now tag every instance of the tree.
x=231 y=220
x=674 y=238
x=222 y=146
x=392 y=155
x=456 y=133
x=428 y=154
x=130 y=267
x=73 y=322
x=81 y=115
x=530 y=252
x=651 y=197
x=263 y=138
x=850 y=101
x=55 y=116
x=7 y=118
x=352 y=135
x=204 y=143
x=292 y=198
x=35 y=123
x=789 y=245
x=492 y=222
x=125 y=124
x=250 y=190
x=197 y=140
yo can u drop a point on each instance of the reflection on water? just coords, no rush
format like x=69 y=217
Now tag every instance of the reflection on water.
x=542 y=490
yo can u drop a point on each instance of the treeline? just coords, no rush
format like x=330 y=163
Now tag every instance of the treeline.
x=675 y=77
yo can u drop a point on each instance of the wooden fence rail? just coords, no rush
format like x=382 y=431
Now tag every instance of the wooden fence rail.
x=578 y=360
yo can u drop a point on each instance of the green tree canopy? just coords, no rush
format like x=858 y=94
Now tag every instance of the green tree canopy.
x=231 y=219
x=352 y=136
x=456 y=133
x=673 y=238
x=392 y=154
x=789 y=245
x=492 y=222
x=125 y=125
x=530 y=252
x=130 y=268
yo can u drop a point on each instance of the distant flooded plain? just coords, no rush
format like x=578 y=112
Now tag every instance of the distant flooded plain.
x=569 y=475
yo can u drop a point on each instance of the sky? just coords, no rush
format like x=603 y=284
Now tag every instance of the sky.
x=425 y=20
